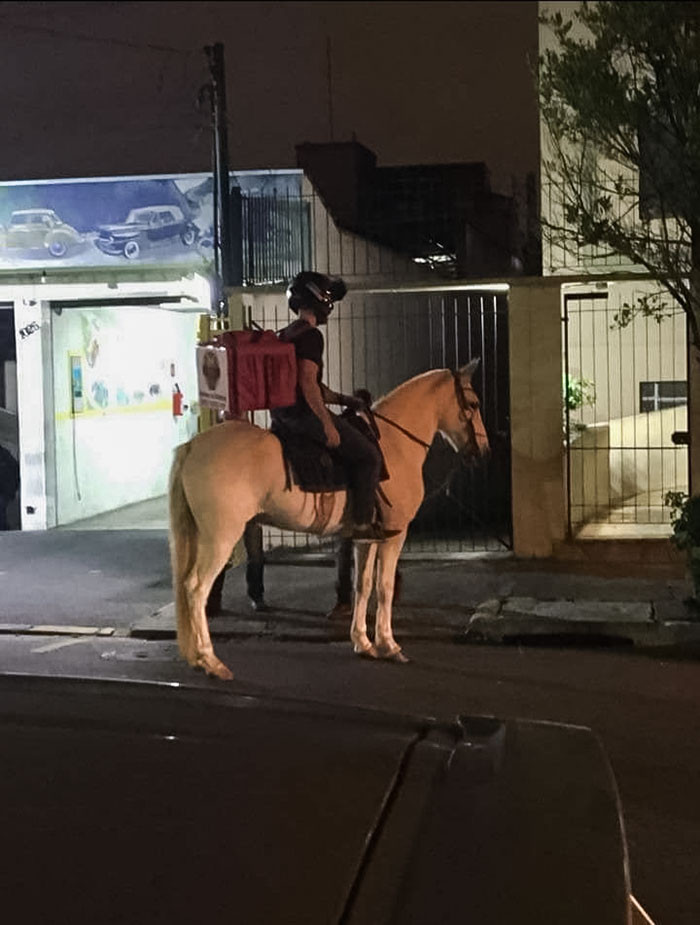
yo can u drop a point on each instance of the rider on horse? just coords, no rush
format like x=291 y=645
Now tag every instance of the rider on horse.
x=311 y=297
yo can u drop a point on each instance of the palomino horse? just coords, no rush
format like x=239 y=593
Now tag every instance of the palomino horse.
x=233 y=472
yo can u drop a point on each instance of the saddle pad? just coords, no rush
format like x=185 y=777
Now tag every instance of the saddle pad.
x=310 y=464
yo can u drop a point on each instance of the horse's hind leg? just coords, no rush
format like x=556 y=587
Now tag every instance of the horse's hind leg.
x=365 y=555
x=387 y=560
x=212 y=554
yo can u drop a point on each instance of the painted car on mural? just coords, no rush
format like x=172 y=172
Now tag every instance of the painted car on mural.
x=40 y=229
x=145 y=228
x=144 y=802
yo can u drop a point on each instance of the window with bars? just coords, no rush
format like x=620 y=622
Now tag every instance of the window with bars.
x=655 y=396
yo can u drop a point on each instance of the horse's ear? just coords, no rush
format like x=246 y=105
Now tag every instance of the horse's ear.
x=468 y=371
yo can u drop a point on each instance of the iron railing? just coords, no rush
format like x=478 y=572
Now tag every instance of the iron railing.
x=625 y=397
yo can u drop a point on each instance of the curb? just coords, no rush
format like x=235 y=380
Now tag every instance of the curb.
x=492 y=621
x=638 y=623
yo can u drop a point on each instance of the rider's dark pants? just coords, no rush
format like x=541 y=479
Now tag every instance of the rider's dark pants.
x=361 y=457
x=346 y=569
x=253 y=539
x=255 y=567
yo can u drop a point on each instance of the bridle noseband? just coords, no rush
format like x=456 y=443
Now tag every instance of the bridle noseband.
x=465 y=414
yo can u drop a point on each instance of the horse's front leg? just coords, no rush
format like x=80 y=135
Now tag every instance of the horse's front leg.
x=365 y=555
x=388 y=559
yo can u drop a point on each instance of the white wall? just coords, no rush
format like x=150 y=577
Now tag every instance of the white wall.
x=118 y=449
x=571 y=259
x=616 y=360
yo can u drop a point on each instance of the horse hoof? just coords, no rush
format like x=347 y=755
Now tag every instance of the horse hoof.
x=215 y=668
x=365 y=651
x=396 y=656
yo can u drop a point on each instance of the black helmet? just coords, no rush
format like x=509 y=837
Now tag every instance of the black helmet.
x=315 y=291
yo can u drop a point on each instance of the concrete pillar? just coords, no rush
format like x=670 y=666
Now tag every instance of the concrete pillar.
x=35 y=403
x=537 y=467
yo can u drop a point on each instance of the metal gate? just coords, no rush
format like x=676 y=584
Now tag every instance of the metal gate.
x=378 y=338
x=625 y=391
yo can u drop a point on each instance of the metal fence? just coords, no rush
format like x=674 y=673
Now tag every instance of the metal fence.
x=275 y=237
x=625 y=393
x=378 y=338
x=407 y=230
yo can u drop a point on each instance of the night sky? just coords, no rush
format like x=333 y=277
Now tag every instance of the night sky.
x=416 y=82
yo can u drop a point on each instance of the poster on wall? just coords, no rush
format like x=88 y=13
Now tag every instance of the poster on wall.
x=212 y=378
x=122 y=221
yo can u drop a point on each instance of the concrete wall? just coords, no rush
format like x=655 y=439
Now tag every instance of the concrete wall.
x=616 y=360
x=342 y=253
x=539 y=501
x=572 y=259
x=626 y=459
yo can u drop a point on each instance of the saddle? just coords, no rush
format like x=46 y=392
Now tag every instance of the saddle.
x=312 y=466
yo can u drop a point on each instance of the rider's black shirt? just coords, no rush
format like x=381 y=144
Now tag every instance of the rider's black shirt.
x=308 y=345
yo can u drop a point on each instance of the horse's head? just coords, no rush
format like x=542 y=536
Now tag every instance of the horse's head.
x=460 y=419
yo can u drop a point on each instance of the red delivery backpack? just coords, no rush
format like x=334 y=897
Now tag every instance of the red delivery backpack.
x=262 y=370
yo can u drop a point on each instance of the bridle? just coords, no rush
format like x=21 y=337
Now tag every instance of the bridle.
x=465 y=415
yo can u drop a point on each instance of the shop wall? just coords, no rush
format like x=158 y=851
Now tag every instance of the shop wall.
x=114 y=371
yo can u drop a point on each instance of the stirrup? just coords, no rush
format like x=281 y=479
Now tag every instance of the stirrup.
x=372 y=533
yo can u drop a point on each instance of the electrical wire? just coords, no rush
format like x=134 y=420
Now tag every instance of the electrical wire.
x=81 y=37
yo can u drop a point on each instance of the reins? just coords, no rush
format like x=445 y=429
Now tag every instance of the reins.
x=406 y=433
x=463 y=409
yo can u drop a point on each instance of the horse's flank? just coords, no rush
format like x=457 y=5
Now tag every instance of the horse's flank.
x=246 y=464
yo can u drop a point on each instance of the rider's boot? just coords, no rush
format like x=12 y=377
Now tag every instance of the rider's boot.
x=342 y=610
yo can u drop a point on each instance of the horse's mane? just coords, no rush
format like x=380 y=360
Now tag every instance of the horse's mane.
x=407 y=386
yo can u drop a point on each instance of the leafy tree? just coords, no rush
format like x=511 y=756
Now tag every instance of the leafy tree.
x=620 y=99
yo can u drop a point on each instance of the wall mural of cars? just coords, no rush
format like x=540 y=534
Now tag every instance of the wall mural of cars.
x=42 y=230
x=144 y=229
x=101 y=222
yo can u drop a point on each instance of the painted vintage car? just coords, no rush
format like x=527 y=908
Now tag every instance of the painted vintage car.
x=40 y=229
x=145 y=228
x=145 y=802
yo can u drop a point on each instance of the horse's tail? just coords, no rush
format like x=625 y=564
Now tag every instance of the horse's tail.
x=183 y=546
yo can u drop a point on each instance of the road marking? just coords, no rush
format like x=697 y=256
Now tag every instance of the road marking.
x=639 y=915
x=61 y=644
x=112 y=655
x=53 y=630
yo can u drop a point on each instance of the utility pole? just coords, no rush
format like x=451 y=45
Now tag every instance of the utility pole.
x=329 y=80
x=223 y=245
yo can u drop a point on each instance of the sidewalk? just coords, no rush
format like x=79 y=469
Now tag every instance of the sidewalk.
x=498 y=599
x=104 y=582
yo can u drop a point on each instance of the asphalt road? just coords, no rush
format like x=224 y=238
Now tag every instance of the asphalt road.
x=643 y=708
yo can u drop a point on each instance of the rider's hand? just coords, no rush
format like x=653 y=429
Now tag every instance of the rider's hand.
x=332 y=436
x=354 y=403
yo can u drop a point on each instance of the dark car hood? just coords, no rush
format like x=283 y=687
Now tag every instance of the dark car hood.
x=124 y=228
x=150 y=803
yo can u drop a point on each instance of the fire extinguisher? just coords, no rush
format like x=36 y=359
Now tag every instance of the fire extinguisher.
x=177 y=401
